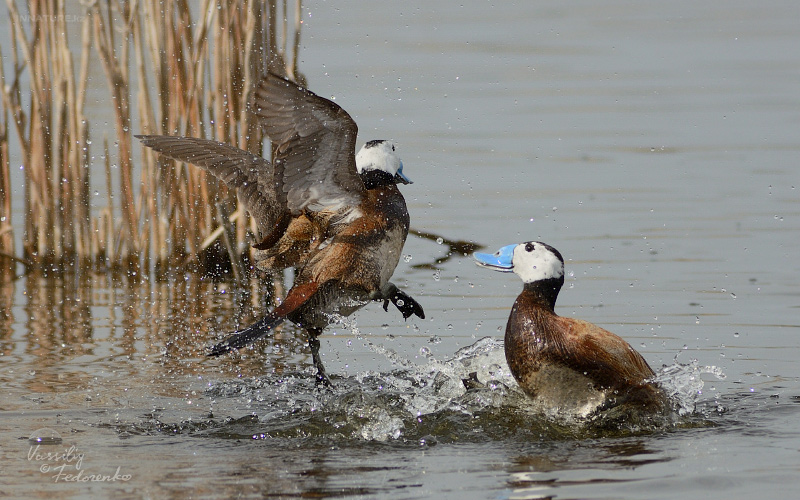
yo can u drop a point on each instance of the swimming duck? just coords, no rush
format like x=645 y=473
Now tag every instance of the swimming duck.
x=566 y=365
x=335 y=216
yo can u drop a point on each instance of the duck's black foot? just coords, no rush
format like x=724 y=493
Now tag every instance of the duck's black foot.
x=323 y=380
x=405 y=304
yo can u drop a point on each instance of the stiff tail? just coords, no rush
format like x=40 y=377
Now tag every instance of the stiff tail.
x=259 y=329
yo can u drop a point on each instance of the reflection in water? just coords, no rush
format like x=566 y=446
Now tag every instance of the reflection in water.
x=540 y=475
x=454 y=248
x=83 y=328
x=7 y=288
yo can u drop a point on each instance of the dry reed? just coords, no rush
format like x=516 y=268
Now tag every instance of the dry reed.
x=170 y=69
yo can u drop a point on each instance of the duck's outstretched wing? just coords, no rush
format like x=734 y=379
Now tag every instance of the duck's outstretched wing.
x=315 y=143
x=251 y=176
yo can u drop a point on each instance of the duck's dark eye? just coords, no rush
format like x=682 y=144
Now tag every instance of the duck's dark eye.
x=529 y=247
x=392 y=147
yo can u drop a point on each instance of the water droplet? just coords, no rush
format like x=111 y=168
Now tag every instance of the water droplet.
x=439 y=240
x=407 y=258
x=735 y=334
x=427 y=440
x=436 y=275
x=45 y=436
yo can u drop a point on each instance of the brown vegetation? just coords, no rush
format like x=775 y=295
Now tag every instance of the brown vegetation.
x=171 y=67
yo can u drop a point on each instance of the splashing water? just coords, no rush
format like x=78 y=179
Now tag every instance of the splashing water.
x=440 y=385
x=684 y=384
x=404 y=404
x=470 y=396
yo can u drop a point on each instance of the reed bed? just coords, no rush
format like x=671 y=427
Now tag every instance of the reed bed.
x=171 y=67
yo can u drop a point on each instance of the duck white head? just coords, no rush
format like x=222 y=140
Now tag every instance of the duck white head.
x=380 y=155
x=532 y=261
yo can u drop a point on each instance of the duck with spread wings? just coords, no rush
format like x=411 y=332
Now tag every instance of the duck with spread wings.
x=337 y=217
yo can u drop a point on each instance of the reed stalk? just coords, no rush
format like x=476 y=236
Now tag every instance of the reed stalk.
x=170 y=67
x=6 y=229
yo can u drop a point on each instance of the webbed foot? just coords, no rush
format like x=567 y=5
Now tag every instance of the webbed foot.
x=405 y=304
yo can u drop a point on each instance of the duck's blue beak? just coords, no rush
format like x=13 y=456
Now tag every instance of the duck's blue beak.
x=400 y=177
x=499 y=261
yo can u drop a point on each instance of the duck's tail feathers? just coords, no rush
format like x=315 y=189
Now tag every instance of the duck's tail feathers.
x=259 y=329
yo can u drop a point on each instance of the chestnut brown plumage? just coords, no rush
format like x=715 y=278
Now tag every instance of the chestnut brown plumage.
x=566 y=364
x=338 y=218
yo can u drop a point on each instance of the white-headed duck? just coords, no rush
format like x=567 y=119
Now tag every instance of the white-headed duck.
x=568 y=366
x=336 y=217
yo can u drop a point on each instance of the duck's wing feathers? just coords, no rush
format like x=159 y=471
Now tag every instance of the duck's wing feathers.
x=251 y=176
x=315 y=145
x=603 y=355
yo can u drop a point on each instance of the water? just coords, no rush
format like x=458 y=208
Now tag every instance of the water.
x=654 y=144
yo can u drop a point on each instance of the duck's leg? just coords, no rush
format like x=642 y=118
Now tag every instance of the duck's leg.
x=313 y=343
x=264 y=326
